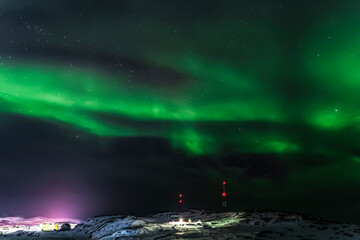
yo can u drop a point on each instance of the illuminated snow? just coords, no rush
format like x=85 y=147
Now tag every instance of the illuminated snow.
x=193 y=224
x=10 y=225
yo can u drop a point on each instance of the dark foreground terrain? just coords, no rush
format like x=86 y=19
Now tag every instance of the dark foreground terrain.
x=195 y=224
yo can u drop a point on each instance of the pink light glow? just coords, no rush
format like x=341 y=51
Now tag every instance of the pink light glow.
x=62 y=208
x=55 y=197
x=60 y=203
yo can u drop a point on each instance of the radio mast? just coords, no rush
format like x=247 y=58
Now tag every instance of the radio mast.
x=223 y=195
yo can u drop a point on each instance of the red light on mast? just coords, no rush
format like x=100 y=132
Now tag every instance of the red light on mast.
x=223 y=194
x=180 y=201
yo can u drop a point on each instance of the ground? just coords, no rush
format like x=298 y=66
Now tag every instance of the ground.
x=198 y=224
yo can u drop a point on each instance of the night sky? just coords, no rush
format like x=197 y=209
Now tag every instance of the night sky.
x=116 y=107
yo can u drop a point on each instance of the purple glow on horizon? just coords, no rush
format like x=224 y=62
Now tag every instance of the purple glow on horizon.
x=68 y=198
x=71 y=199
x=63 y=207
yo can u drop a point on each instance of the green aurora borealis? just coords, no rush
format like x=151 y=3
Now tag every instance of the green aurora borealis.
x=279 y=79
x=82 y=95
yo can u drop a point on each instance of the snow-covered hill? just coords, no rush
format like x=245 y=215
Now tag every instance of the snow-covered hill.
x=198 y=224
